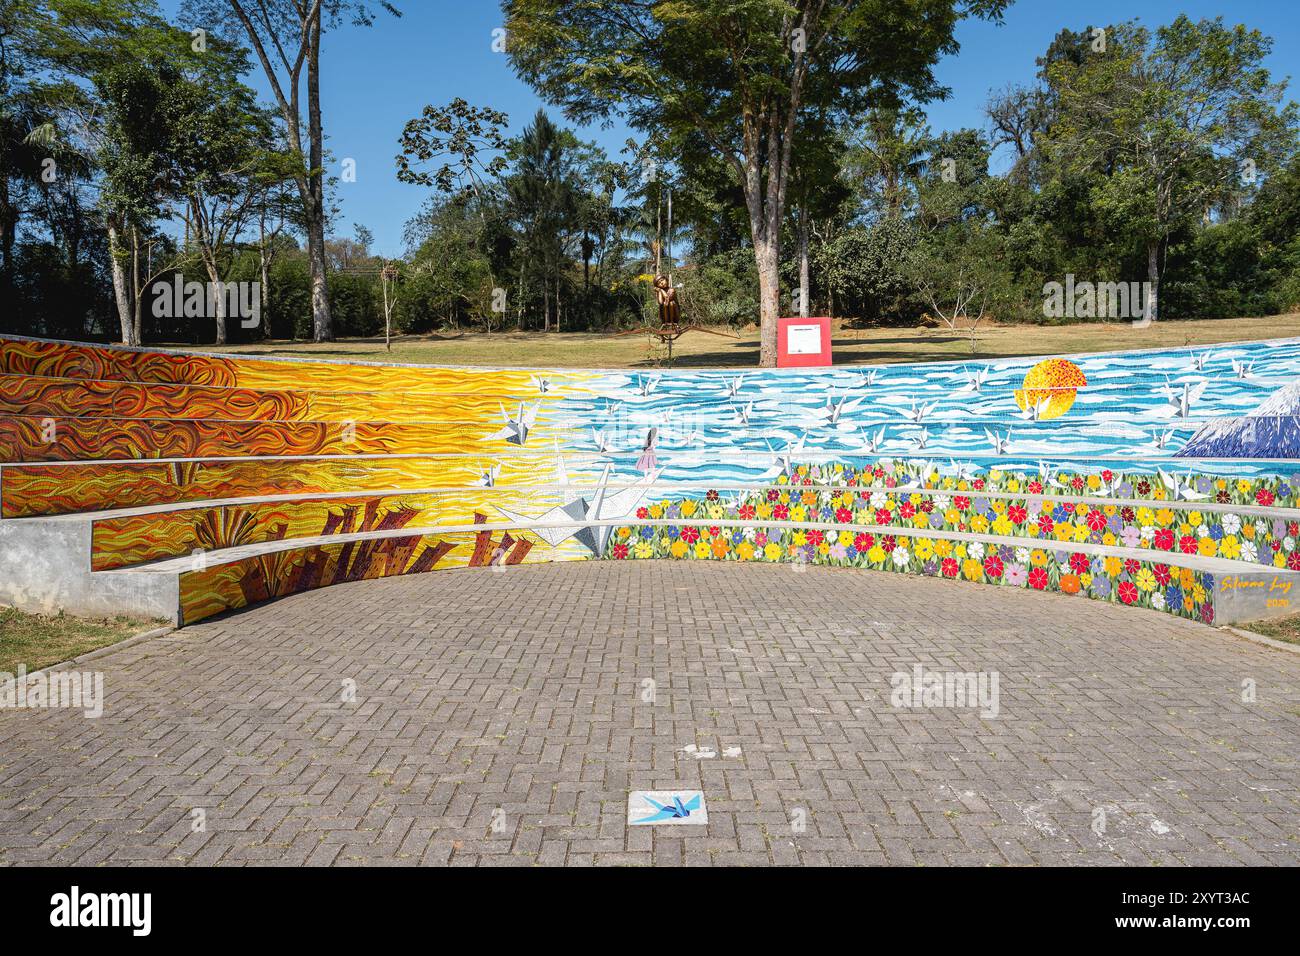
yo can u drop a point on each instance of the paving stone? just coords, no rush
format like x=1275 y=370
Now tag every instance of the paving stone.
x=525 y=692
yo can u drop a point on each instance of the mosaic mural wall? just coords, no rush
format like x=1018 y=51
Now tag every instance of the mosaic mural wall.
x=1135 y=477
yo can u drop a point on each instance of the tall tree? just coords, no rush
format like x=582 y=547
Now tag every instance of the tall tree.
x=817 y=192
x=464 y=145
x=886 y=150
x=1171 y=120
x=449 y=277
x=19 y=160
x=597 y=217
x=51 y=121
x=1016 y=115
x=191 y=134
x=286 y=37
x=740 y=72
x=542 y=200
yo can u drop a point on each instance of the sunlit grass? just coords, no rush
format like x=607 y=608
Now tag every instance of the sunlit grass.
x=850 y=345
x=37 y=640
x=1280 y=629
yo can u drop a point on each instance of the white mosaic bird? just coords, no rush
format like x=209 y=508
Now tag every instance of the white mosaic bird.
x=1181 y=401
x=919 y=413
x=1048 y=475
x=516 y=429
x=873 y=443
x=783 y=461
x=1161 y=440
x=1001 y=443
x=832 y=410
x=974 y=381
x=1037 y=410
x=1179 y=490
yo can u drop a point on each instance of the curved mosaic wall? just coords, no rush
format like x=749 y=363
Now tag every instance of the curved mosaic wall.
x=1148 y=478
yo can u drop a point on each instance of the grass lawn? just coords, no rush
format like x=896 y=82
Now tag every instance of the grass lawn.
x=1280 y=629
x=851 y=346
x=39 y=641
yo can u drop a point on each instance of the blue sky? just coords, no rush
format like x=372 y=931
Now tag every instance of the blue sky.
x=374 y=80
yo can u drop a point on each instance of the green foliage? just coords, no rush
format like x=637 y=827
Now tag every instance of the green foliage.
x=751 y=83
x=884 y=152
x=49 y=52
x=721 y=289
x=1161 y=125
x=453 y=137
x=173 y=134
x=1174 y=140
x=54 y=298
x=864 y=270
x=693 y=64
x=356 y=305
x=952 y=180
x=449 y=282
x=961 y=275
x=289 y=309
x=1275 y=216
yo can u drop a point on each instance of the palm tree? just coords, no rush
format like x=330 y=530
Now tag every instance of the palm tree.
x=542 y=200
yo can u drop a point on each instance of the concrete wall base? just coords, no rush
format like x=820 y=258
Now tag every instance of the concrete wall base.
x=45 y=568
x=1256 y=594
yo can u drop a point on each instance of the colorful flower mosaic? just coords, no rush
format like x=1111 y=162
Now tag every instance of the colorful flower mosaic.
x=1065 y=474
x=1151 y=584
x=1179 y=528
x=1267 y=491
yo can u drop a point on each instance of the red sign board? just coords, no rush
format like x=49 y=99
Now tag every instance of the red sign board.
x=803 y=342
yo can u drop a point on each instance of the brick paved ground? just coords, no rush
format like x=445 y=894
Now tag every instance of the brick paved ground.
x=522 y=690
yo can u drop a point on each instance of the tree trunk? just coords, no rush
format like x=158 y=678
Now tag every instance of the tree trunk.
x=804 y=291
x=264 y=263
x=310 y=183
x=8 y=230
x=1150 y=312
x=586 y=263
x=519 y=304
x=388 y=315
x=767 y=256
x=218 y=299
x=119 y=286
x=137 y=291
x=265 y=294
x=765 y=198
x=321 y=319
x=137 y=320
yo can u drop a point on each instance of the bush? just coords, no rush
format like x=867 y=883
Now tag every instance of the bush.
x=50 y=299
x=865 y=272
x=962 y=274
x=356 y=304
x=721 y=289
